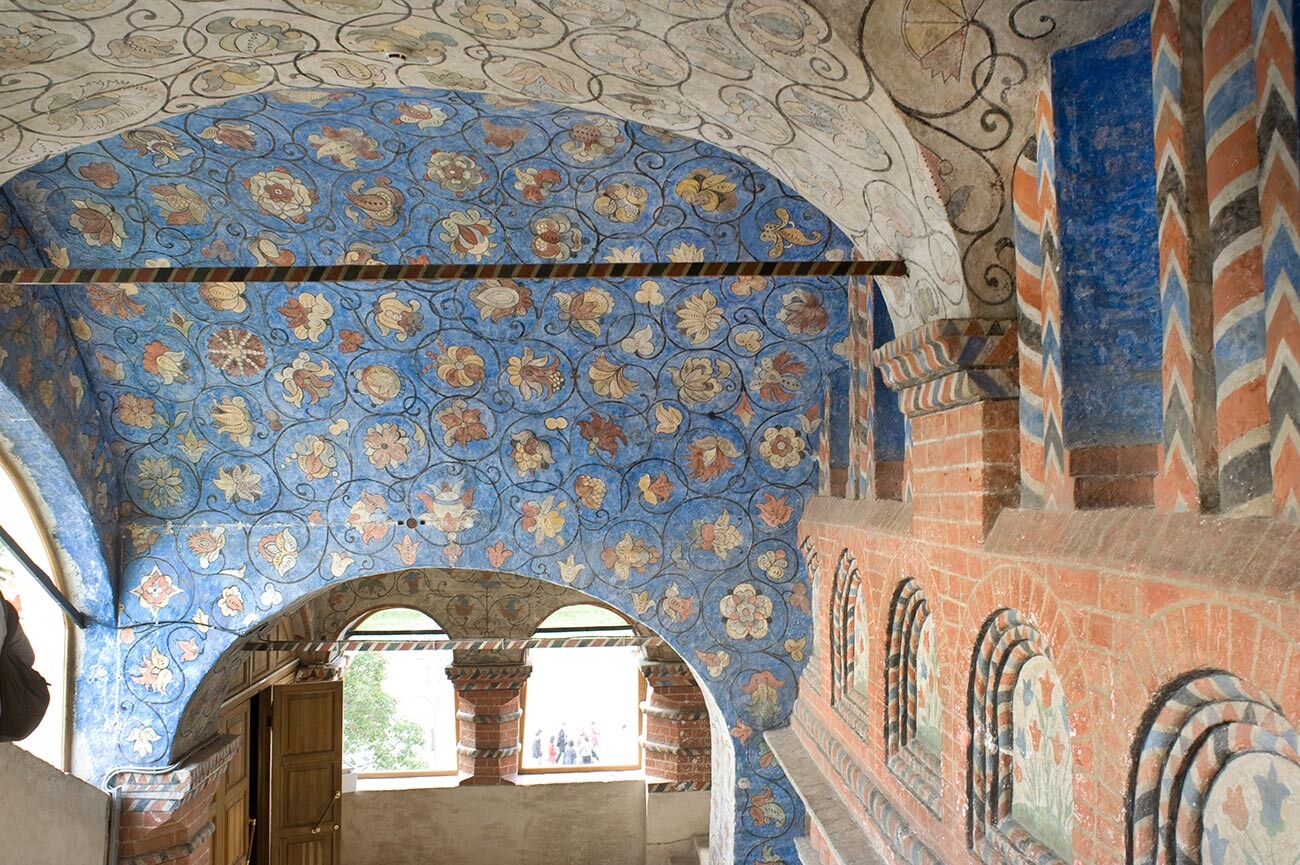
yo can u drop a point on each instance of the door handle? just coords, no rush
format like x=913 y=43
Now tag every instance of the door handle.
x=315 y=830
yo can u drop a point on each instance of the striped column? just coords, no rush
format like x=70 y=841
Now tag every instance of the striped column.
x=678 y=746
x=1279 y=204
x=1056 y=491
x=1187 y=474
x=489 y=711
x=862 y=456
x=1232 y=180
x=1027 y=218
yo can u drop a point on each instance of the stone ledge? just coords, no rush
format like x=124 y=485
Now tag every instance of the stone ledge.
x=825 y=807
x=882 y=515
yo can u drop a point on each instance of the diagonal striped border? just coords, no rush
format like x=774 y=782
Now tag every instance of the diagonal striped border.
x=433 y=272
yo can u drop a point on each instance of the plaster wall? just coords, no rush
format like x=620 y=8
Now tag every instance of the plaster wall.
x=70 y=825
x=601 y=823
x=672 y=823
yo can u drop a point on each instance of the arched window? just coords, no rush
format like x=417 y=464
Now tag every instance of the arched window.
x=849 y=666
x=42 y=620
x=913 y=709
x=399 y=709
x=582 y=703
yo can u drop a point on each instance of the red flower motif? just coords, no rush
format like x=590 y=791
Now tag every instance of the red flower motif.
x=773 y=511
x=505 y=137
x=498 y=553
x=102 y=174
x=602 y=434
x=236 y=352
x=350 y=341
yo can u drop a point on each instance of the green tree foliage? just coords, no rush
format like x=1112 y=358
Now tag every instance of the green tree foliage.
x=375 y=738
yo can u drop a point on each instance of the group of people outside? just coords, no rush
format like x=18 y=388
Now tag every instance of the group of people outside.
x=568 y=746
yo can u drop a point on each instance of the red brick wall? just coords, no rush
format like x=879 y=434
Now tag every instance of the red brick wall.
x=1127 y=599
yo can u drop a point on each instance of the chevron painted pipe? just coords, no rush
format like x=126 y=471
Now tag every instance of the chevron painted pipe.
x=1054 y=480
x=1232 y=180
x=1273 y=26
x=474 y=645
x=1187 y=478
x=862 y=456
x=1029 y=299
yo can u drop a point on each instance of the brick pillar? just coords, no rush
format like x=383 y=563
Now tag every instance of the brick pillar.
x=166 y=818
x=676 y=741
x=958 y=382
x=489 y=711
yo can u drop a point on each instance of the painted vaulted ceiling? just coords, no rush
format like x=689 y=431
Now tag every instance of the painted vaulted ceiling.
x=648 y=442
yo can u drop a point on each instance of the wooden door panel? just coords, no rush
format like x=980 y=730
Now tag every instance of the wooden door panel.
x=306 y=773
x=235 y=828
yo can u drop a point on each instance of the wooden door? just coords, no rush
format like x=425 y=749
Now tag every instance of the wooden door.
x=306 y=773
x=231 y=841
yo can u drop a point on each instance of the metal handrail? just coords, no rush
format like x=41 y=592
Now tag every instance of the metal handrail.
x=80 y=619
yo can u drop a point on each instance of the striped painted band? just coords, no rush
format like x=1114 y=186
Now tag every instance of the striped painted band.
x=677 y=786
x=498 y=645
x=487 y=753
x=433 y=272
x=503 y=718
x=675 y=750
x=674 y=714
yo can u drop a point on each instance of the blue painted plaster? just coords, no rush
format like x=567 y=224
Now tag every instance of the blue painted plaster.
x=1106 y=188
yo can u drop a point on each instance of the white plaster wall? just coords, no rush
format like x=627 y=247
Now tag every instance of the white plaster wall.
x=570 y=823
x=47 y=817
x=673 y=822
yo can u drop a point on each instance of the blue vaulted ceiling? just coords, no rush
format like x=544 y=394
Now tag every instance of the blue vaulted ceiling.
x=649 y=442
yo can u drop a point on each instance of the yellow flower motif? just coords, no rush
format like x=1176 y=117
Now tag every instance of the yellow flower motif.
x=609 y=379
x=699 y=316
x=224 y=296
x=232 y=418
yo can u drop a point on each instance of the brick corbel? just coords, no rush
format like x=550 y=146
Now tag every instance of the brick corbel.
x=951 y=362
x=489 y=711
x=676 y=740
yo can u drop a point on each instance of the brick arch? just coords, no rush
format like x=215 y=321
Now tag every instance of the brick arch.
x=1193 y=729
x=1008 y=641
x=916 y=765
x=846 y=584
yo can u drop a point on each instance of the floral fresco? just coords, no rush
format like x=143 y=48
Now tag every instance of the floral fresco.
x=1043 y=766
x=929 y=704
x=1252 y=815
x=650 y=443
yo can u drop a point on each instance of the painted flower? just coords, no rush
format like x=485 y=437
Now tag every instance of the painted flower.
x=459 y=365
x=99 y=223
x=585 y=309
x=155 y=590
x=534 y=375
x=231 y=602
x=456 y=173
x=179 y=204
x=743 y=286
x=602 y=434
x=190 y=650
x=278 y=193
x=376 y=205
x=677 y=607
x=499 y=298
x=350 y=340
x=270 y=597
x=367 y=515
x=162 y=145
x=168 y=364
x=774 y=564
x=154 y=672
x=699 y=316
x=386 y=444
x=142 y=739
x=802 y=312
x=380 y=382
x=239 y=483
x=746 y=613
x=779 y=378
x=137 y=411
x=467 y=233
x=536 y=183
x=279 y=550
x=710 y=192
x=592 y=139
x=237 y=352
x=394 y=316
x=239 y=136
x=782 y=447
x=224 y=296
x=461 y=424
x=629 y=555
x=315 y=457
x=590 y=491
x=543 y=520
x=305 y=379
x=344 y=146
x=709 y=457
x=622 y=202
x=718 y=536
x=656 y=490
x=763 y=807
x=697 y=380
x=449 y=508
x=763 y=689
x=555 y=237
x=109 y=299
x=207 y=544
x=774 y=511
x=232 y=418
x=497 y=19
x=102 y=174
x=160 y=481
x=421 y=115
x=307 y=315
x=529 y=453
x=684 y=252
